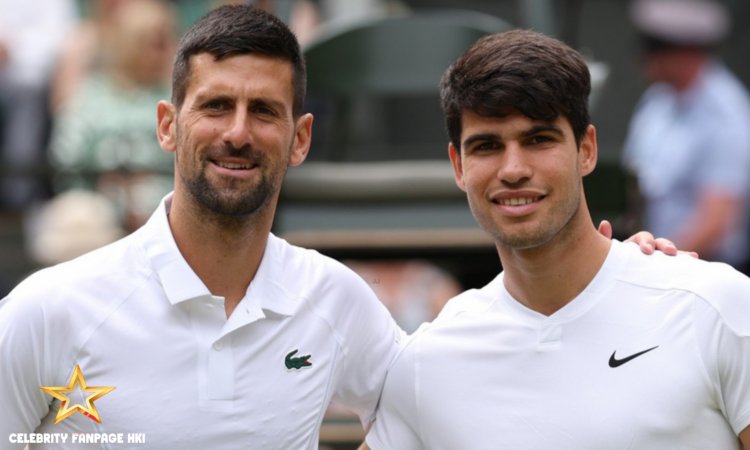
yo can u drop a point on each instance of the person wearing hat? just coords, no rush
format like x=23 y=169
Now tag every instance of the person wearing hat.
x=689 y=139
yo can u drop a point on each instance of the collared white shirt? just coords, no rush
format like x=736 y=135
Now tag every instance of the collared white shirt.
x=134 y=315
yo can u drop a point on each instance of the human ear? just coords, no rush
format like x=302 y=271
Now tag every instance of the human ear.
x=302 y=136
x=166 y=115
x=458 y=170
x=588 y=152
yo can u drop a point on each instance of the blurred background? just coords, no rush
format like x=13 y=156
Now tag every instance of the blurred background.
x=80 y=165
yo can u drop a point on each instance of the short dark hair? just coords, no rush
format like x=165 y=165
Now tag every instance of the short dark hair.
x=518 y=70
x=237 y=30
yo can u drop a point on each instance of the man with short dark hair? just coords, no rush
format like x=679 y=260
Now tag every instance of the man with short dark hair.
x=580 y=342
x=213 y=332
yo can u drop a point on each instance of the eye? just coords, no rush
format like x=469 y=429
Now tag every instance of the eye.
x=263 y=110
x=216 y=105
x=485 y=146
x=540 y=139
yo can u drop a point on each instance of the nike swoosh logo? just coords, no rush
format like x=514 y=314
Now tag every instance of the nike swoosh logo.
x=614 y=362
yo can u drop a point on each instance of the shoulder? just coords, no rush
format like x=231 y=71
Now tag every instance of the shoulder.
x=460 y=314
x=103 y=275
x=322 y=284
x=680 y=272
x=472 y=301
x=717 y=285
x=308 y=269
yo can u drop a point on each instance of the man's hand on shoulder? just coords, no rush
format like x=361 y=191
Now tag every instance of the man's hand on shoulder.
x=646 y=241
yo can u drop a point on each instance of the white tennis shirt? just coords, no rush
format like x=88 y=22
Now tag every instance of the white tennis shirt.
x=653 y=354
x=133 y=315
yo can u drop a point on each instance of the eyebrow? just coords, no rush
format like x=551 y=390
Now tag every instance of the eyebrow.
x=534 y=130
x=201 y=99
x=542 y=128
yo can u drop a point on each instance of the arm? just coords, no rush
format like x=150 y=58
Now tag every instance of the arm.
x=370 y=339
x=396 y=423
x=21 y=362
x=744 y=438
x=713 y=217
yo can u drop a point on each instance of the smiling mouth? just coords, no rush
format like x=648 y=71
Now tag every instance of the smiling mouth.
x=521 y=201
x=234 y=166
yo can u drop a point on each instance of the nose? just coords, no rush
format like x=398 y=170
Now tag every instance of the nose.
x=514 y=167
x=237 y=131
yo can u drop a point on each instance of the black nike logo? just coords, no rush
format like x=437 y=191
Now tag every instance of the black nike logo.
x=614 y=362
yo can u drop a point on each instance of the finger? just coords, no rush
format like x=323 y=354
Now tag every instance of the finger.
x=605 y=228
x=645 y=241
x=666 y=246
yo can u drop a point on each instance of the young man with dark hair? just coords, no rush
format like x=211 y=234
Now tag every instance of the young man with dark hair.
x=580 y=342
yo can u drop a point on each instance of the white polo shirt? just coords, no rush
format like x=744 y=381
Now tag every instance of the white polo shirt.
x=133 y=315
x=653 y=354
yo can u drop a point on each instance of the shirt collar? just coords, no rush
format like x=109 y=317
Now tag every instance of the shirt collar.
x=272 y=284
x=180 y=283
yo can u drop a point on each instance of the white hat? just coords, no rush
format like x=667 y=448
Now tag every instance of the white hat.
x=682 y=22
x=71 y=224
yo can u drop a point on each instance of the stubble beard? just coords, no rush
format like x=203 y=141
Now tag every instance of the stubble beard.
x=532 y=235
x=233 y=201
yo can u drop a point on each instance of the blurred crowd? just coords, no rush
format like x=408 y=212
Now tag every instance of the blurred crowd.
x=78 y=142
x=79 y=81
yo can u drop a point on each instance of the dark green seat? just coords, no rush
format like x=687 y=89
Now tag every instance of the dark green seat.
x=373 y=85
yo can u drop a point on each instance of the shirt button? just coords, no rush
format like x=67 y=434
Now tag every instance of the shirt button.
x=218 y=345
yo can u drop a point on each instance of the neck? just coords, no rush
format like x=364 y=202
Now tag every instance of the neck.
x=548 y=277
x=689 y=72
x=224 y=252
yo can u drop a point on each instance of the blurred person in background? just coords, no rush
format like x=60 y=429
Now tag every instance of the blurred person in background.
x=103 y=134
x=689 y=138
x=83 y=49
x=30 y=36
x=413 y=290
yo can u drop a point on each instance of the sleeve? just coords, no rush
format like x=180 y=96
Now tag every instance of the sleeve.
x=396 y=423
x=734 y=376
x=723 y=333
x=724 y=133
x=370 y=344
x=727 y=167
x=632 y=151
x=22 y=359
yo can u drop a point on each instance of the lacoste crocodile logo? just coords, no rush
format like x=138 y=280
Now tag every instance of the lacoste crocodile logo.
x=296 y=363
x=614 y=362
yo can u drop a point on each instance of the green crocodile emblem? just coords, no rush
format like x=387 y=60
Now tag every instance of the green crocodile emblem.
x=296 y=363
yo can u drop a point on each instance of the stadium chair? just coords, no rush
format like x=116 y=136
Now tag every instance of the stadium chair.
x=378 y=179
x=373 y=85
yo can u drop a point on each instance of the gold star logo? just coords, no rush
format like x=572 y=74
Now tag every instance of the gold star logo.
x=66 y=409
